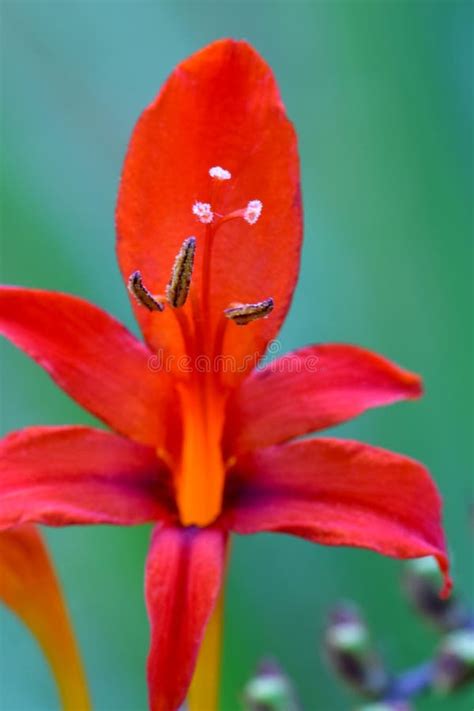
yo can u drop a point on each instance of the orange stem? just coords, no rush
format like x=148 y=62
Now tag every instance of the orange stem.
x=204 y=691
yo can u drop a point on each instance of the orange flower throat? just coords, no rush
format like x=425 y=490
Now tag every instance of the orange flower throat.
x=199 y=467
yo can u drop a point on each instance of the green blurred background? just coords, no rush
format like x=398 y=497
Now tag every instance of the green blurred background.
x=381 y=95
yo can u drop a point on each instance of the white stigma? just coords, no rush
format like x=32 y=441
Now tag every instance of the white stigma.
x=219 y=173
x=203 y=212
x=253 y=211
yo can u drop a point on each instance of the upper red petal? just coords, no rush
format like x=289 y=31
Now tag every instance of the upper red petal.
x=220 y=107
x=30 y=588
x=310 y=389
x=64 y=475
x=183 y=577
x=339 y=493
x=91 y=356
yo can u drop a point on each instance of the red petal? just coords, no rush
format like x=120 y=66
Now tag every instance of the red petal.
x=310 y=389
x=340 y=493
x=220 y=107
x=91 y=356
x=183 y=577
x=63 y=475
x=29 y=587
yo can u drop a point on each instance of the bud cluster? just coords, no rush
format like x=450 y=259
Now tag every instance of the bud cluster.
x=355 y=661
x=270 y=689
x=351 y=653
x=353 y=656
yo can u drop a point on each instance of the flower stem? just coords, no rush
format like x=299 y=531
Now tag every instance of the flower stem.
x=410 y=682
x=204 y=690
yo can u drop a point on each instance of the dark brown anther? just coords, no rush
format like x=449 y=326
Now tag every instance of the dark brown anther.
x=242 y=314
x=141 y=293
x=178 y=288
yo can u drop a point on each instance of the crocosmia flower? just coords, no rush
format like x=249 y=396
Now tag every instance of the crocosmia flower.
x=205 y=442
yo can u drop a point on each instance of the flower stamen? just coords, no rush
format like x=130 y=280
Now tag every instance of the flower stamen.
x=142 y=295
x=178 y=287
x=250 y=214
x=219 y=173
x=203 y=212
x=242 y=314
x=253 y=211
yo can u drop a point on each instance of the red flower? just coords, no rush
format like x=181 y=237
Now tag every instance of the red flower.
x=29 y=587
x=205 y=443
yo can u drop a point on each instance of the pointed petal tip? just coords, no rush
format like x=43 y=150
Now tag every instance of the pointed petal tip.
x=415 y=386
x=222 y=46
x=444 y=567
x=231 y=49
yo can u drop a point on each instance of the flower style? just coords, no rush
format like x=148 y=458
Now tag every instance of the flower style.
x=205 y=443
x=29 y=587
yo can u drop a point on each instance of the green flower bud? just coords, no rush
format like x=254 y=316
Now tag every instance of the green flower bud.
x=351 y=653
x=269 y=690
x=454 y=664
